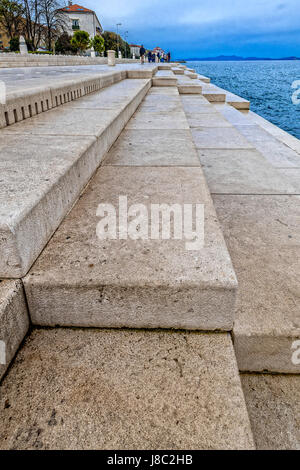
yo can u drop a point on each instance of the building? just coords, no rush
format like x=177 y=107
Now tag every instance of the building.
x=81 y=18
x=135 y=49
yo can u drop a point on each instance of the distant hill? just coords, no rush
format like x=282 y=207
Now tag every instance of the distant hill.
x=237 y=58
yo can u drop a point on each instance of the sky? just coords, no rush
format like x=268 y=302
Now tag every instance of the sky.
x=206 y=28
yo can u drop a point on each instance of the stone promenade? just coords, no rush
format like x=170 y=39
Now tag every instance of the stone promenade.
x=138 y=341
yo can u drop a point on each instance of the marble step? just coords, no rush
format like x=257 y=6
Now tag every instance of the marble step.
x=274 y=410
x=14 y=321
x=48 y=160
x=164 y=77
x=83 y=280
x=130 y=389
x=35 y=99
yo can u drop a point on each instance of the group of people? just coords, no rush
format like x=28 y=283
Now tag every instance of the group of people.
x=152 y=57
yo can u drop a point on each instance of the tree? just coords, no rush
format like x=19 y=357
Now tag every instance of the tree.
x=33 y=23
x=53 y=20
x=14 y=45
x=63 y=45
x=11 y=17
x=98 y=44
x=81 y=40
x=112 y=41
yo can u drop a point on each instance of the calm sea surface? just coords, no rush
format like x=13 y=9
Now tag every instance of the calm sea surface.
x=267 y=84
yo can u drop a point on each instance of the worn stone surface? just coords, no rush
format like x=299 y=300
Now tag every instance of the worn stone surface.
x=292 y=175
x=276 y=152
x=14 y=320
x=234 y=116
x=40 y=186
x=274 y=409
x=37 y=189
x=280 y=134
x=153 y=147
x=262 y=234
x=112 y=389
x=164 y=120
x=219 y=138
x=84 y=281
x=169 y=90
x=243 y=172
x=209 y=119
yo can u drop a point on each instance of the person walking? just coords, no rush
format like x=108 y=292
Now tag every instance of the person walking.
x=142 y=54
x=169 y=56
x=149 y=56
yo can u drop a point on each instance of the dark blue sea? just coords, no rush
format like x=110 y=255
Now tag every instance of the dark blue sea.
x=267 y=84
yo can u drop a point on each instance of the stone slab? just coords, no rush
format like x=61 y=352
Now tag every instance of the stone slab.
x=164 y=81
x=14 y=321
x=178 y=71
x=37 y=188
x=280 y=134
x=81 y=280
x=210 y=119
x=65 y=121
x=204 y=79
x=189 y=88
x=45 y=172
x=214 y=96
x=274 y=409
x=163 y=120
x=234 y=116
x=243 y=172
x=168 y=90
x=262 y=234
x=276 y=152
x=131 y=390
x=292 y=175
x=153 y=147
x=219 y=138
x=196 y=104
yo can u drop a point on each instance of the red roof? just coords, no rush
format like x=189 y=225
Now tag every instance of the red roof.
x=134 y=45
x=77 y=9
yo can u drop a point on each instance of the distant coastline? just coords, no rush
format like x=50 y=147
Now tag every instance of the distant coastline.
x=236 y=58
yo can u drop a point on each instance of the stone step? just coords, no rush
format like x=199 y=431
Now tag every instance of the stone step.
x=48 y=160
x=275 y=131
x=23 y=104
x=212 y=93
x=187 y=86
x=81 y=280
x=203 y=78
x=164 y=66
x=130 y=389
x=191 y=75
x=262 y=233
x=37 y=60
x=164 y=77
x=38 y=92
x=177 y=71
x=234 y=100
x=273 y=407
x=258 y=207
x=236 y=170
x=14 y=321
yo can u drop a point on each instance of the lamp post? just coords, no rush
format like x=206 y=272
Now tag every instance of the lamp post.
x=118 y=24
